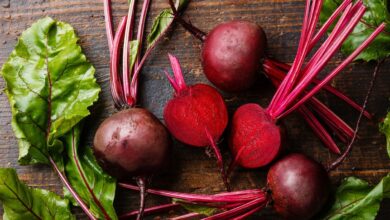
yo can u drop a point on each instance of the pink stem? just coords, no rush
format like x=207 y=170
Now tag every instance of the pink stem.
x=125 y=55
x=318 y=66
x=188 y=216
x=244 y=216
x=338 y=68
x=238 y=210
x=151 y=210
x=271 y=68
x=65 y=181
x=199 y=198
x=308 y=28
x=108 y=22
x=116 y=85
x=319 y=129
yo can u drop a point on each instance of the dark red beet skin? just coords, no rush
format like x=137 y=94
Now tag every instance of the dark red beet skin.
x=132 y=142
x=194 y=110
x=231 y=55
x=299 y=186
x=255 y=139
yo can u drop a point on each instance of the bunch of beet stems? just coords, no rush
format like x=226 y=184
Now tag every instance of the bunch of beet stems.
x=241 y=204
x=277 y=71
x=124 y=84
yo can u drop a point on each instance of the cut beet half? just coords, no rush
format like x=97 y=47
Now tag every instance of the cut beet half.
x=196 y=115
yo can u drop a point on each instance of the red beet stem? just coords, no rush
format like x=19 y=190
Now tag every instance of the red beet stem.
x=140 y=33
x=108 y=22
x=251 y=212
x=339 y=68
x=328 y=23
x=274 y=68
x=339 y=160
x=125 y=55
x=218 y=155
x=226 y=197
x=308 y=28
x=151 y=210
x=319 y=129
x=65 y=181
x=238 y=210
x=177 y=81
x=188 y=216
x=115 y=81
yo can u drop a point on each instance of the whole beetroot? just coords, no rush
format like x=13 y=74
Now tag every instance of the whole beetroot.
x=132 y=142
x=299 y=186
x=231 y=55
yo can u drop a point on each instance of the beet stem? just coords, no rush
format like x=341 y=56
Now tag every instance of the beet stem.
x=196 y=32
x=108 y=22
x=319 y=60
x=308 y=28
x=177 y=81
x=188 y=216
x=231 y=197
x=125 y=55
x=238 y=210
x=244 y=216
x=339 y=160
x=217 y=153
x=151 y=210
x=271 y=68
x=65 y=181
x=141 y=182
x=338 y=68
x=319 y=129
x=115 y=81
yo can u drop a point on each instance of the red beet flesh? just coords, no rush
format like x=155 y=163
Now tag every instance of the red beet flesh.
x=299 y=186
x=132 y=142
x=231 y=55
x=255 y=139
x=194 y=110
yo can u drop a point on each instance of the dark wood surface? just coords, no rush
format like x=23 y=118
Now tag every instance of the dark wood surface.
x=192 y=170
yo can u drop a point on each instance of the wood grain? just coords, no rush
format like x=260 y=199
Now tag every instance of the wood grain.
x=192 y=170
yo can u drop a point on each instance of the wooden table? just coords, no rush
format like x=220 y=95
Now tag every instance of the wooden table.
x=192 y=170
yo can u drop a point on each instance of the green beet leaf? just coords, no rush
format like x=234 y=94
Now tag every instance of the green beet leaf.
x=163 y=21
x=21 y=202
x=94 y=186
x=200 y=209
x=377 y=12
x=355 y=199
x=50 y=85
x=384 y=127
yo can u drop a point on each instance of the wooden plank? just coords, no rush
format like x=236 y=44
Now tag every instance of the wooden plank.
x=192 y=171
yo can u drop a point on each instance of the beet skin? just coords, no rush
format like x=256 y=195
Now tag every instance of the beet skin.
x=232 y=53
x=299 y=186
x=132 y=142
x=255 y=139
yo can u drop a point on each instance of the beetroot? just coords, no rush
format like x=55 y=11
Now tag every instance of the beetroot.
x=231 y=52
x=231 y=55
x=132 y=142
x=253 y=128
x=299 y=186
x=197 y=114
